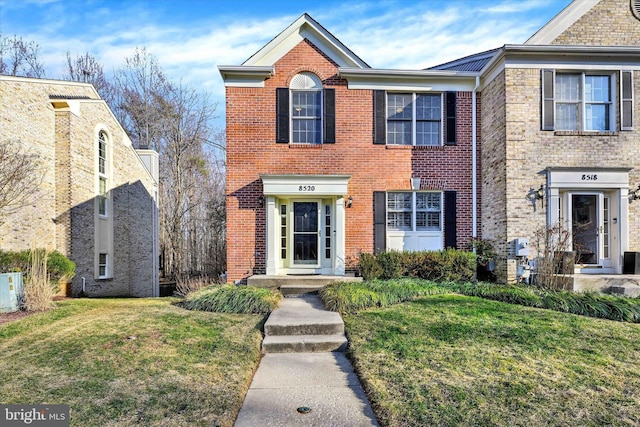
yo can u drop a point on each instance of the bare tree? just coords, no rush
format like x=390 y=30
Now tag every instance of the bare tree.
x=140 y=84
x=21 y=174
x=19 y=57
x=85 y=68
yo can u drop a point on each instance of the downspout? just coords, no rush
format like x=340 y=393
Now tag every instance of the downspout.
x=474 y=161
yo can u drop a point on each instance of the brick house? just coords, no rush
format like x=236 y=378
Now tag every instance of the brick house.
x=97 y=203
x=328 y=157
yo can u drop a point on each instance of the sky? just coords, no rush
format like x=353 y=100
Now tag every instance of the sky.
x=190 y=38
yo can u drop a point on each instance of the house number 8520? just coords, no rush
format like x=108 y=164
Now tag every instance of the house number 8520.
x=590 y=177
x=307 y=188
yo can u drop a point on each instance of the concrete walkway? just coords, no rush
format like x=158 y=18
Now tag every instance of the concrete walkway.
x=304 y=388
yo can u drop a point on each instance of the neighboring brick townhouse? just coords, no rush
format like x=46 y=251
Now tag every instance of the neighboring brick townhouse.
x=97 y=203
x=328 y=157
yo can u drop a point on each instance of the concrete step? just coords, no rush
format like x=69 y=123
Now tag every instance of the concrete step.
x=296 y=290
x=303 y=325
x=304 y=343
x=264 y=281
x=628 y=289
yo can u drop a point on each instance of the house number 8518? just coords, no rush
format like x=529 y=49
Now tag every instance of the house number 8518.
x=590 y=177
x=307 y=188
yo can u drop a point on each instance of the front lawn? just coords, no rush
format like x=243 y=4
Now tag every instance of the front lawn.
x=130 y=362
x=452 y=360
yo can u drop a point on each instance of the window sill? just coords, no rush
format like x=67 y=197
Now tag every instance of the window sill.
x=414 y=147
x=584 y=133
x=306 y=146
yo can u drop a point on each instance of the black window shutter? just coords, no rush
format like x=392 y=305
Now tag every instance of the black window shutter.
x=380 y=117
x=329 y=119
x=451 y=118
x=450 y=220
x=548 y=121
x=379 y=221
x=282 y=114
x=626 y=115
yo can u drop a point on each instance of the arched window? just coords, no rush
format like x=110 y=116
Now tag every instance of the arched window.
x=306 y=111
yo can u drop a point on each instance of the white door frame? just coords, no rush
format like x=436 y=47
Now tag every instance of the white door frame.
x=291 y=188
x=613 y=183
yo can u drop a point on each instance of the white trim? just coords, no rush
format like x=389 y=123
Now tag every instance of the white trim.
x=561 y=22
x=289 y=185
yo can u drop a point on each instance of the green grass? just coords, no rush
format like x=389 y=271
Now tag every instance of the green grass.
x=452 y=360
x=130 y=362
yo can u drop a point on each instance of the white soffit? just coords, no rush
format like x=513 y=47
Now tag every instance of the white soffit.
x=305 y=27
x=563 y=20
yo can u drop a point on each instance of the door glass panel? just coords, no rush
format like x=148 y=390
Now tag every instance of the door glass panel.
x=305 y=233
x=585 y=228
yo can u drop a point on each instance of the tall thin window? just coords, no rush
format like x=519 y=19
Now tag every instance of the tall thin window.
x=102 y=265
x=102 y=174
x=306 y=109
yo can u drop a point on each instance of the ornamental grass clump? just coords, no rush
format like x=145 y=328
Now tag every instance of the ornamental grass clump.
x=353 y=296
x=234 y=299
x=38 y=289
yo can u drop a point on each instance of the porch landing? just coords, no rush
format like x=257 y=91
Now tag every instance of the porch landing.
x=622 y=284
x=297 y=285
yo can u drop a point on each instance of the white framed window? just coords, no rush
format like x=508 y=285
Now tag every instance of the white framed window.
x=306 y=109
x=102 y=174
x=585 y=101
x=103 y=265
x=414 y=211
x=414 y=119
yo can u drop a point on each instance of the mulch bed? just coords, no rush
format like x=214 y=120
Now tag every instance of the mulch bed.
x=10 y=317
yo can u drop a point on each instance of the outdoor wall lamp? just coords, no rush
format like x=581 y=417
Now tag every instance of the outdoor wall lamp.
x=534 y=195
x=350 y=202
x=635 y=194
x=540 y=195
x=261 y=201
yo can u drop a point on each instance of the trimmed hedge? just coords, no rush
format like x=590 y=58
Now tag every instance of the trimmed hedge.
x=449 y=265
x=58 y=266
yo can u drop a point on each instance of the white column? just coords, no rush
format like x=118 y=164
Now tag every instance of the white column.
x=339 y=261
x=271 y=238
x=623 y=224
x=553 y=207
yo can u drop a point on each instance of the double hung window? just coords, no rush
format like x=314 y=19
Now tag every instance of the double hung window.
x=305 y=111
x=414 y=119
x=414 y=211
x=583 y=102
x=587 y=101
x=306 y=116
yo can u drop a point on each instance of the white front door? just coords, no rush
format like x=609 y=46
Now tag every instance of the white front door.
x=591 y=229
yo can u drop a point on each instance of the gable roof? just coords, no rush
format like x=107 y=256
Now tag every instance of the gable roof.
x=563 y=20
x=302 y=28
